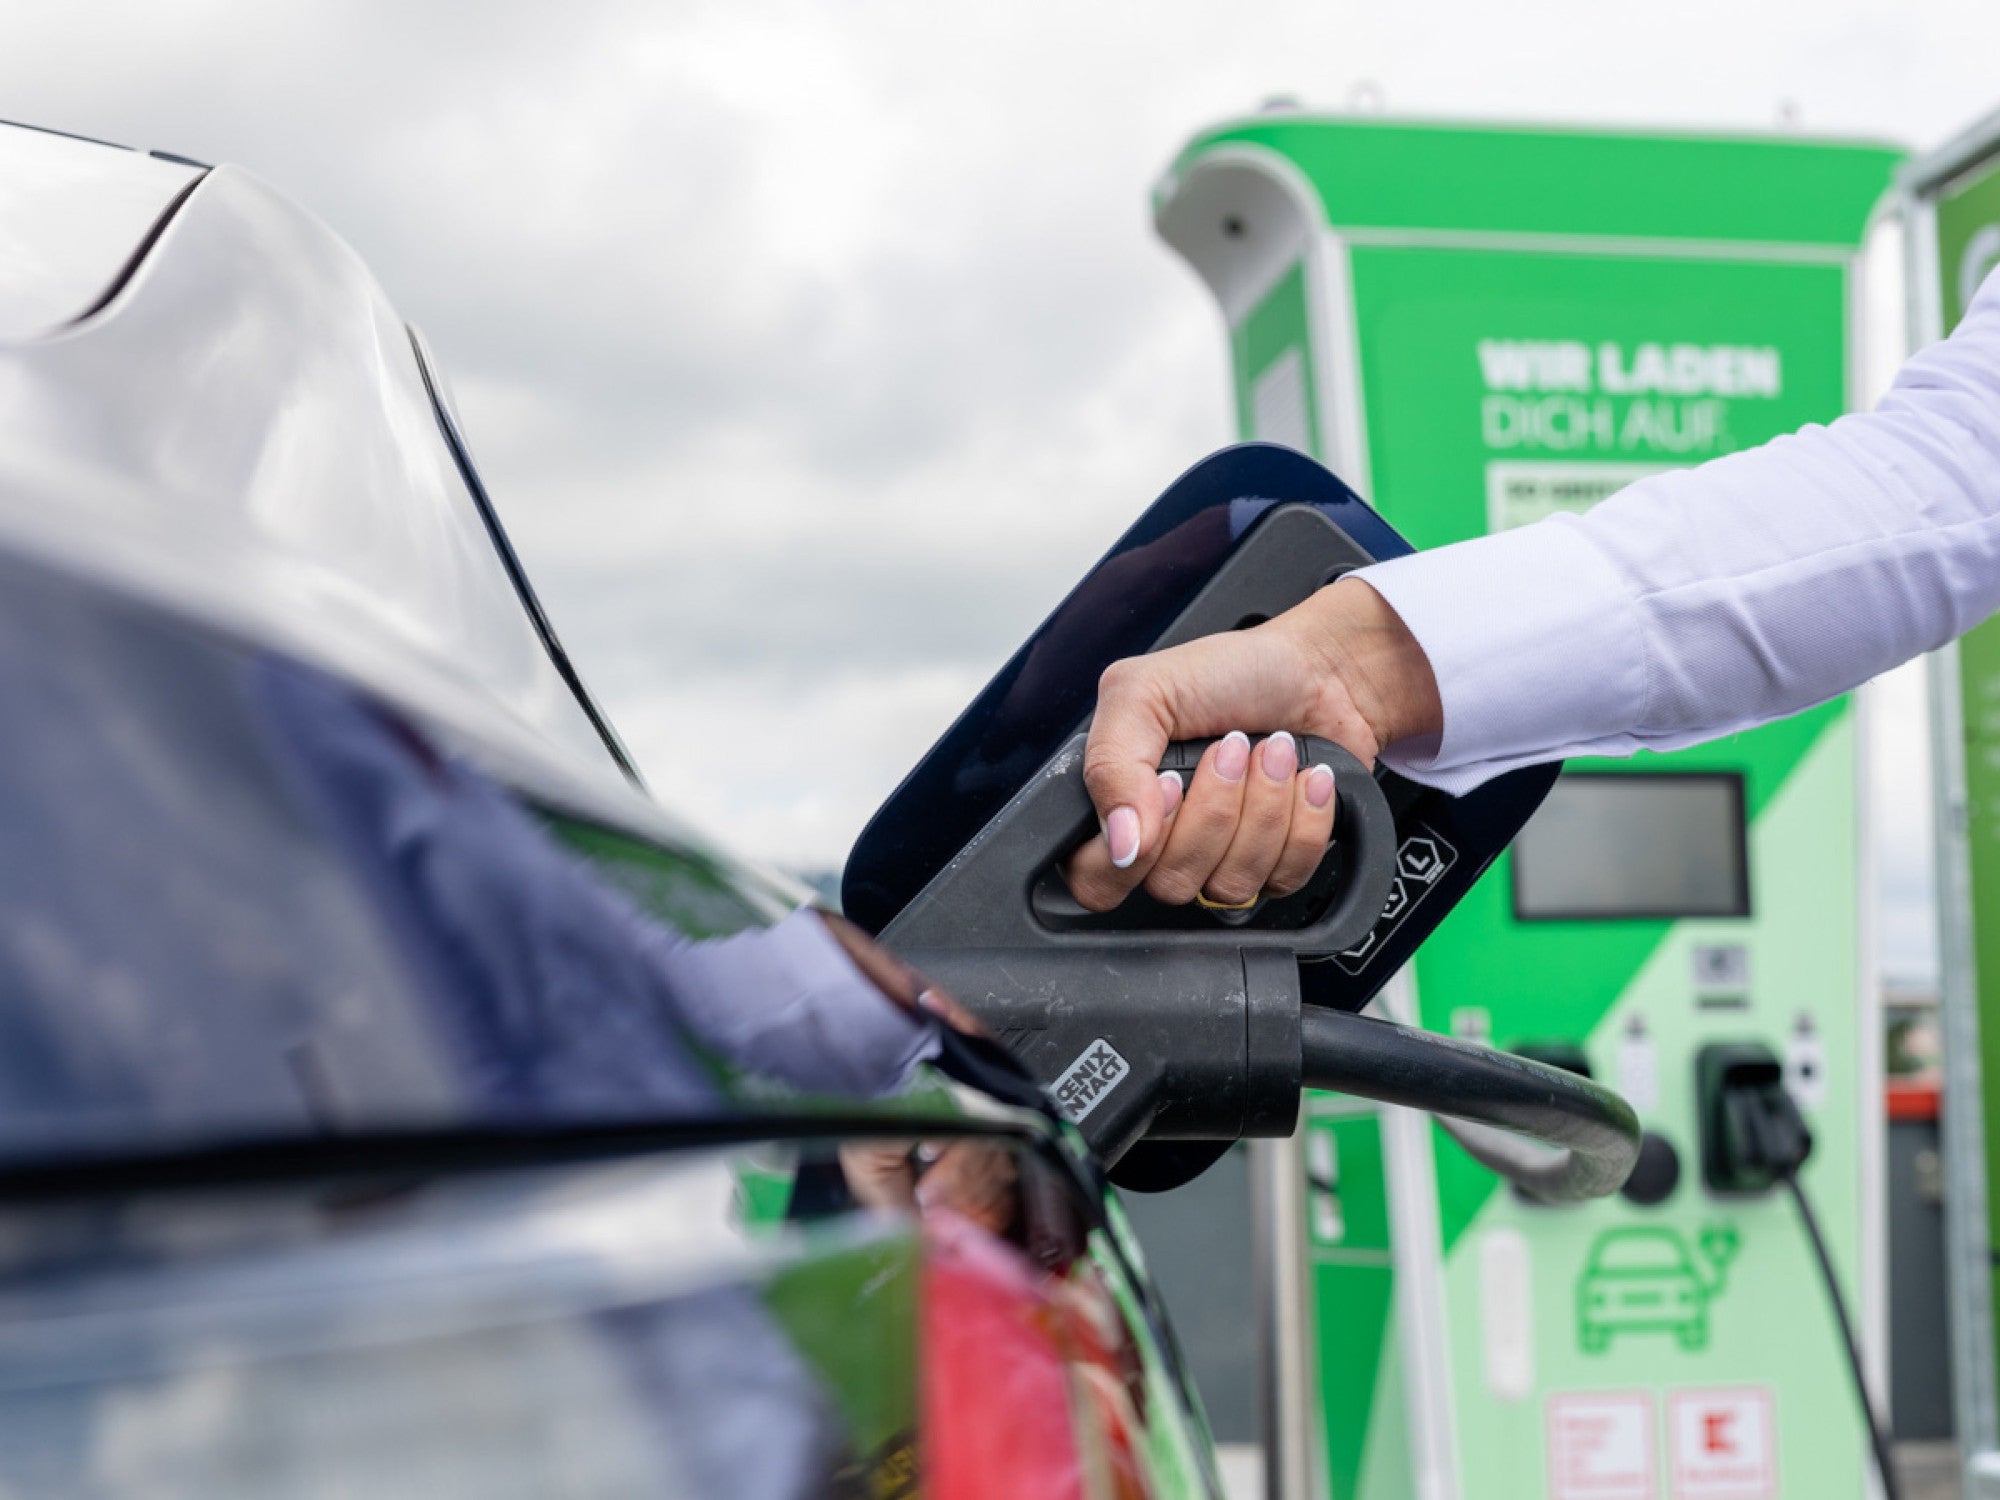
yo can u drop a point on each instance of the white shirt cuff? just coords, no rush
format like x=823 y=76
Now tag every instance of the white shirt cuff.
x=1535 y=642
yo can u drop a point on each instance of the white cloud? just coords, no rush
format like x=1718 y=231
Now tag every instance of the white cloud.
x=797 y=795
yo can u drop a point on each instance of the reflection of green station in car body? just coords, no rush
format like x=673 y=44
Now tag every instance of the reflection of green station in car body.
x=1643 y=1279
x=1477 y=327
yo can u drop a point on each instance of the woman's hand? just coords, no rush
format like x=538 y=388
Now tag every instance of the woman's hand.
x=1251 y=821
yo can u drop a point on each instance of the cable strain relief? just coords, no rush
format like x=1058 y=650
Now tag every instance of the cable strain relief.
x=1273 y=1059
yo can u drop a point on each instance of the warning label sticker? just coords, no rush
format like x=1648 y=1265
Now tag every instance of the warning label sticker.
x=1600 y=1445
x=1723 y=1444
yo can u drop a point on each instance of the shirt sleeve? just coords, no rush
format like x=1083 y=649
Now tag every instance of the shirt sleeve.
x=1701 y=602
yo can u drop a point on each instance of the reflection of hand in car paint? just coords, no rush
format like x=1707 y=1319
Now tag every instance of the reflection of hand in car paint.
x=976 y=1181
x=896 y=979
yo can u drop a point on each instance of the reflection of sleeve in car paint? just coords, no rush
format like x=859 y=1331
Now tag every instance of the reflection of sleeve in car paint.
x=559 y=993
x=786 y=1001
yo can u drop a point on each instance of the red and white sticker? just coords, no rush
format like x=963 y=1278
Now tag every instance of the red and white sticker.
x=1723 y=1444
x=1600 y=1446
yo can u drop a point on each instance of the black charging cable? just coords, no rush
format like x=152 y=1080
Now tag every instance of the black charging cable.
x=1764 y=1132
x=1877 y=1438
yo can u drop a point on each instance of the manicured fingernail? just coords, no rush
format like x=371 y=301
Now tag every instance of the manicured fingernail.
x=1170 y=791
x=1319 y=786
x=1232 y=756
x=1279 y=757
x=1121 y=835
x=933 y=1002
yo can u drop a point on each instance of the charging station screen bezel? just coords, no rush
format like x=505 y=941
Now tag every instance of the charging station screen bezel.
x=1732 y=852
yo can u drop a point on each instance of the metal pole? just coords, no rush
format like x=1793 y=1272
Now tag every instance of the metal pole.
x=1289 y=1407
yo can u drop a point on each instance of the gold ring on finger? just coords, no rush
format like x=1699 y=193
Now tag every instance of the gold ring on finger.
x=1201 y=900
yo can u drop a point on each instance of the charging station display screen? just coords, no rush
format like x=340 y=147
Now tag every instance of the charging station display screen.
x=1632 y=846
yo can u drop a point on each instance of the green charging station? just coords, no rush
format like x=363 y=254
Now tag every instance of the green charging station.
x=1477 y=327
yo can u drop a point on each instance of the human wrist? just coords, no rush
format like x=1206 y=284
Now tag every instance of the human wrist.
x=1361 y=643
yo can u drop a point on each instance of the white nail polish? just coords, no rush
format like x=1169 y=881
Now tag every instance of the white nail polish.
x=1233 y=752
x=1122 y=827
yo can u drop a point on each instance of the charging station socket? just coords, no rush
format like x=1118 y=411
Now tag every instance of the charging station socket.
x=1749 y=1126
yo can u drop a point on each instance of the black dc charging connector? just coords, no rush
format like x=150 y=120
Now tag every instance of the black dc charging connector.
x=1165 y=1033
x=1753 y=1138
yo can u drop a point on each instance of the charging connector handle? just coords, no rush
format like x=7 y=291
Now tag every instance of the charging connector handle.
x=1195 y=1029
x=1588 y=1136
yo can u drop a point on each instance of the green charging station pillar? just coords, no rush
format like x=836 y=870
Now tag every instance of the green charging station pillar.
x=1951 y=216
x=1477 y=327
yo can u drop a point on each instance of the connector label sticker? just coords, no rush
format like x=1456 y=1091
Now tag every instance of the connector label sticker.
x=1085 y=1082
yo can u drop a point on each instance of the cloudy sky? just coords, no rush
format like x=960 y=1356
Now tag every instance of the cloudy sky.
x=812 y=349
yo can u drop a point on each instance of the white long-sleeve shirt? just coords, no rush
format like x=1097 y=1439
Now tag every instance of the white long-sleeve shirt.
x=1700 y=602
